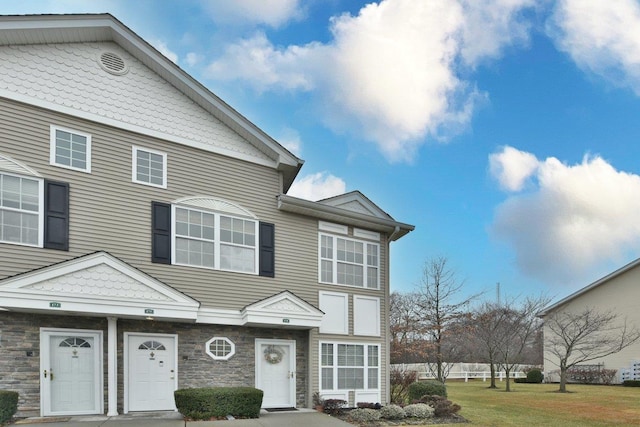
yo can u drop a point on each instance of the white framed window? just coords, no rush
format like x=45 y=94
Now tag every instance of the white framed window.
x=149 y=167
x=366 y=315
x=21 y=210
x=349 y=366
x=336 y=312
x=213 y=240
x=349 y=262
x=220 y=348
x=70 y=149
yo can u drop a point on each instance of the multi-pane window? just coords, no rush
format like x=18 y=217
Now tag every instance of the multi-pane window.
x=70 y=149
x=149 y=167
x=220 y=348
x=349 y=366
x=349 y=262
x=20 y=210
x=211 y=240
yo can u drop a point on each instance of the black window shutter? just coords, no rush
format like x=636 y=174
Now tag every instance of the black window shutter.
x=267 y=250
x=56 y=215
x=161 y=233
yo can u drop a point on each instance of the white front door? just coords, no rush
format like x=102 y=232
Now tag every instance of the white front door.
x=71 y=372
x=151 y=372
x=276 y=372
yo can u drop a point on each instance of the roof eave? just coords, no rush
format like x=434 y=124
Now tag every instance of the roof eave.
x=394 y=229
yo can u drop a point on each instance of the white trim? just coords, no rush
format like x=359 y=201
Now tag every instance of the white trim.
x=134 y=166
x=362 y=319
x=45 y=359
x=292 y=366
x=15 y=293
x=40 y=212
x=217 y=242
x=207 y=348
x=52 y=148
x=366 y=234
x=283 y=310
x=215 y=204
x=10 y=165
x=327 y=393
x=345 y=313
x=334 y=260
x=125 y=356
x=333 y=228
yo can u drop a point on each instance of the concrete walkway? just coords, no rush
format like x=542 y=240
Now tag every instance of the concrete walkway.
x=302 y=417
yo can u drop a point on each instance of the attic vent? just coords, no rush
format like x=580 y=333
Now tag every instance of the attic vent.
x=113 y=63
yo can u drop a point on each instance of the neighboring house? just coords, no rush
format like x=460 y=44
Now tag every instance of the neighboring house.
x=616 y=292
x=147 y=242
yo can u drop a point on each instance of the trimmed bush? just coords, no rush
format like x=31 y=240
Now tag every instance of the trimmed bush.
x=363 y=415
x=368 y=405
x=418 y=410
x=535 y=376
x=426 y=388
x=8 y=405
x=217 y=402
x=441 y=406
x=392 y=412
x=333 y=406
x=631 y=383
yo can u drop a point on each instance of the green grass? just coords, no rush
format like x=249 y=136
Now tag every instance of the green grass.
x=540 y=405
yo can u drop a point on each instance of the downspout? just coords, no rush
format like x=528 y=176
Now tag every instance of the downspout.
x=387 y=297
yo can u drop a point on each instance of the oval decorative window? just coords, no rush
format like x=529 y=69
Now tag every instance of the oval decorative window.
x=220 y=348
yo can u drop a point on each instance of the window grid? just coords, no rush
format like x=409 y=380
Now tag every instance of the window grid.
x=20 y=210
x=70 y=149
x=345 y=367
x=210 y=240
x=352 y=263
x=220 y=348
x=149 y=167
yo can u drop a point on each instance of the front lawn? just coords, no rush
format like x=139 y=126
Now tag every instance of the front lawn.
x=540 y=405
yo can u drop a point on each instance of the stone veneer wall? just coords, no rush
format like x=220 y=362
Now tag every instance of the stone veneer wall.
x=20 y=371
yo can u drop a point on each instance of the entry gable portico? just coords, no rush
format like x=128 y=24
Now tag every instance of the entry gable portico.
x=284 y=309
x=96 y=284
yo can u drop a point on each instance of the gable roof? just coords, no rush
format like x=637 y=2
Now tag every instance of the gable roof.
x=95 y=284
x=350 y=208
x=87 y=28
x=597 y=283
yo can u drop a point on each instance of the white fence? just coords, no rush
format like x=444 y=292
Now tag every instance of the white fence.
x=465 y=371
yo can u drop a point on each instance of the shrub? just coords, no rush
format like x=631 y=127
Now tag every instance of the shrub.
x=441 y=406
x=520 y=380
x=535 y=376
x=418 y=410
x=392 y=412
x=216 y=402
x=631 y=383
x=401 y=379
x=333 y=406
x=368 y=405
x=8 y=405
x=363 y=415
x=429 y=388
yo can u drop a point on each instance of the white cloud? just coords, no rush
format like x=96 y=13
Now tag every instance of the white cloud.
x=290 y=139
x=512 y=167
x=273 y=13
x=317 y=186
x=259 y=63
x=576 y=218
x=393 y=72
x=193 y=58
x=164 y=49
x=602 y=37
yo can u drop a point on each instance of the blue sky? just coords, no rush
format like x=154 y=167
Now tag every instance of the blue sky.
x=506 y=131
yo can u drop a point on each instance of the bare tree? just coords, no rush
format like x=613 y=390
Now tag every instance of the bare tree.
x=586 y=335
x=517 y=332
x=406 y=328
x=486 y=336
x=440 y=308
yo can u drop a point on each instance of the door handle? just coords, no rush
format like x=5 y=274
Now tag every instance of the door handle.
x=50 y=374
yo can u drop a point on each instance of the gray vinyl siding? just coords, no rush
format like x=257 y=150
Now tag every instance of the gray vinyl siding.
x=109 y=212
